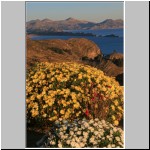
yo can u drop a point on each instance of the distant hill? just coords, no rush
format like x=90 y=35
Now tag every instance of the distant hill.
x=108 y=24
x=47 y=25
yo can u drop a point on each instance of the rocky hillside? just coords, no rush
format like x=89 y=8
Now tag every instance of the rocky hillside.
x=115 y=55
x=116 y=58
x=61 y=50
x=47 y=25
x=74 y=50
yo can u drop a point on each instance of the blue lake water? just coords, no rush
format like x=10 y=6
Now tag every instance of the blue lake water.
x=106 y=44
x=103 y=32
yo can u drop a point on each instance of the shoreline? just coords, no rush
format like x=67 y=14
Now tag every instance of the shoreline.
x=70 y=34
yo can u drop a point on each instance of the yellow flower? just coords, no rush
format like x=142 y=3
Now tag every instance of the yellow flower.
x=44 y=115
x=35 y=105
x=73 y=95
x=112 y=95
x=79 y=76
x=74 y=100
x=53 y=118
x=50 y=103
x=120 y=108
x=88 y=70
x=77 y=114
x=66 y=115
x=48 y=75
x=69 y=110
x=35 y=81
x=67 y=91
x=97 y=81
x=32 y=98
x=44 y=81
x=55 y=112
x=112 y=88
x=50 y=86
x=119 y=115
x=34 y=112
x=65 y=95
x=99 y=86
x=113 y=107
x=64 y=103
x=62 y=112
x=39 y=97
x=52 y=94
x=61 y=75
x=76 y=105
x=29 y=89
x=116 y=102
x=43 y=76
x=27 y=101
x=44 y=106
x=52 y=79
x=116 y=122
x=68 y=103
x=77 y=88
x=104 y=89
x=113 y=117
x=89 y=80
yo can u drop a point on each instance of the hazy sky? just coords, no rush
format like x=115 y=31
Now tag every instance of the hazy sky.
x=91 y=11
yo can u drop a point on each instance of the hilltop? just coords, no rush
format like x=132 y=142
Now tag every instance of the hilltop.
x=60 y=50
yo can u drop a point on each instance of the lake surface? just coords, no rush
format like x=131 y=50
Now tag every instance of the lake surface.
x=103 y=32
x=106 y=44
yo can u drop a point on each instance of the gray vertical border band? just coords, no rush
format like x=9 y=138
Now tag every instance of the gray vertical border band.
x=137 y=75
x=13 y=75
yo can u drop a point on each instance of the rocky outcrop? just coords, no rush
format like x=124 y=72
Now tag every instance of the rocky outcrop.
x=110 y=68
x=84 y=47
x=115 y=55
x=116 y=58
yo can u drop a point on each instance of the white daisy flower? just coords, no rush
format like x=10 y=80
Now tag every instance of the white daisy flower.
x=79 y=133
x=82 y=145
x=109 y=146
x=117 y=139
x=60 y=145
x=68 y=142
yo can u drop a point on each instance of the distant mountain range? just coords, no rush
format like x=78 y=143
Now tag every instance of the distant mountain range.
x=47 y=25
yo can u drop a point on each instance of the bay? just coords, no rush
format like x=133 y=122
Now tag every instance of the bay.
x=106 y=44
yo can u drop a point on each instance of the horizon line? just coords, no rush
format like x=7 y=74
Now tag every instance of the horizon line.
x=75 y=19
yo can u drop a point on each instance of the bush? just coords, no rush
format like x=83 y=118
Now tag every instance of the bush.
x=57 y=50
x=70 y=91
x=85 y=58
x=85 y=134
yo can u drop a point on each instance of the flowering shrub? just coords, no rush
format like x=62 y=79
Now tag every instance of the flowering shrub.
x=84 y=133
x=71 y=90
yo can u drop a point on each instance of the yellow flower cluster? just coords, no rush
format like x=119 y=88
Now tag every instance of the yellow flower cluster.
x=66 y=90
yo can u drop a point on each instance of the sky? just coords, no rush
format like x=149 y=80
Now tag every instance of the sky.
x=90 y=11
